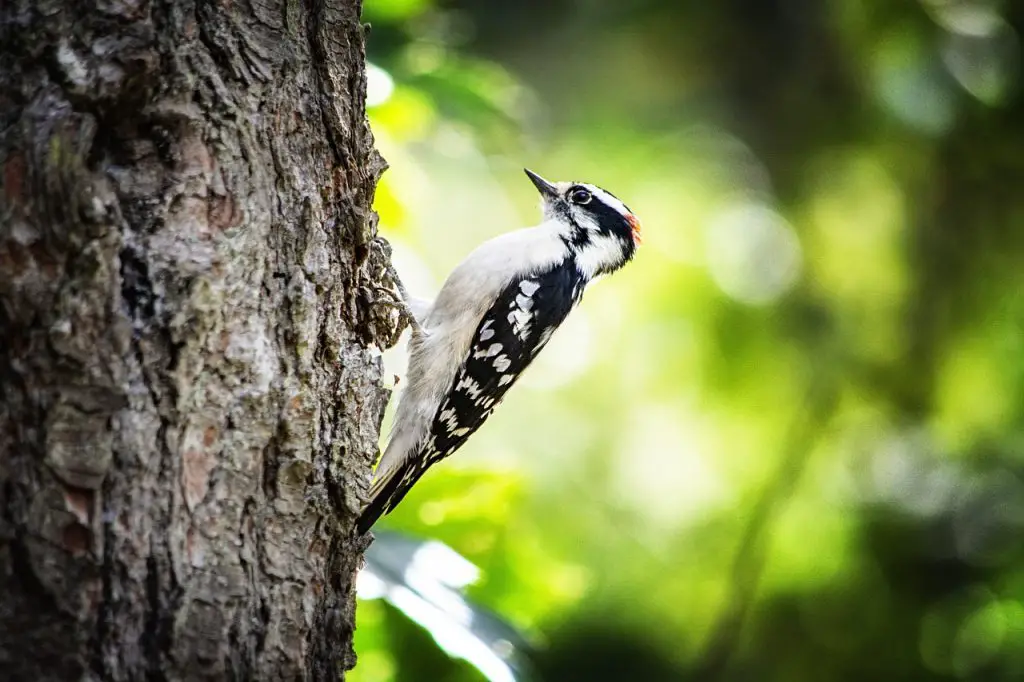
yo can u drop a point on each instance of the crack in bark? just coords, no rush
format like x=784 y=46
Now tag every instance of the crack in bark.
x=321 y=67
x=155 y=640
x=108 y=567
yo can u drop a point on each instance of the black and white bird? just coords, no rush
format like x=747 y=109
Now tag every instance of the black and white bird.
x=493 y=315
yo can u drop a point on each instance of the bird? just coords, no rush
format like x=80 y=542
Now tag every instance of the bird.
x=494 y=313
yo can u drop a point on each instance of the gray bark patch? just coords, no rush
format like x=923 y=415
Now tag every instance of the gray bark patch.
x=190 y=383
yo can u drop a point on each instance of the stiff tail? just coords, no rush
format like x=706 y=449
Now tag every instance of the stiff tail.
x=388 y=492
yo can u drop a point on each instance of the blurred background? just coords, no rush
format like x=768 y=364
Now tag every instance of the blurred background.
x=786 y=443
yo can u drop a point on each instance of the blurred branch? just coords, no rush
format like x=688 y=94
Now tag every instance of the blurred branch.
x=748 y=565
x=425 y=579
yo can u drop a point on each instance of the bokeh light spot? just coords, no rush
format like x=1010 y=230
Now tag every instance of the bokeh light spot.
x=986 y=65
x=379 y=85
x=753 y=253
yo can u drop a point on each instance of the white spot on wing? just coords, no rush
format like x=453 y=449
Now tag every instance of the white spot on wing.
x=450 y=419
x=485 y=331
x=505 y=380
x=502 y=363
x=528 y=287
x=520 y=321
x=489 y=352
x=470 y=386
x=524 y=302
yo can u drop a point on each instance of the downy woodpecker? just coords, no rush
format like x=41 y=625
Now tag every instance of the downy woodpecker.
x=493 y=315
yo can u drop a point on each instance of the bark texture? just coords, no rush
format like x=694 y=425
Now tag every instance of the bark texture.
x=190 y=390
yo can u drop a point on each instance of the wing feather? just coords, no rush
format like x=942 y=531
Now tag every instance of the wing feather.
x=509 y=336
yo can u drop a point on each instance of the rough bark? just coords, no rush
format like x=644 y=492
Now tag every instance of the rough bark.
x=190 y=391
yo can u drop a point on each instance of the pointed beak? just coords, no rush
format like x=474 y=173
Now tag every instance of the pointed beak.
x=546 y=189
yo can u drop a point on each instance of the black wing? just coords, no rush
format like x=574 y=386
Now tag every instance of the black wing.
x=509 y=337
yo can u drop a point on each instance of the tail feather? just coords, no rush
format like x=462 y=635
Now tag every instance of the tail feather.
x=388 y=492
x=398 y=469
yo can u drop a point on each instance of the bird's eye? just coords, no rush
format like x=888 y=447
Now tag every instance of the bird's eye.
x=580 y=196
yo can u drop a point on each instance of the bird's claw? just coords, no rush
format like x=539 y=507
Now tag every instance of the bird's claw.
x=399 y=301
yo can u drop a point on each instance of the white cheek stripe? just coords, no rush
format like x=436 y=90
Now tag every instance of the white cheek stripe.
x=609 y=200
x=601 y=253
x=585 y=220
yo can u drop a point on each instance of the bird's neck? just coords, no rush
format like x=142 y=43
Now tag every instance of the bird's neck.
x=595 y=253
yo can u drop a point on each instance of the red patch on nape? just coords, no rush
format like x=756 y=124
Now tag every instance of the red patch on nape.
x=634 y=223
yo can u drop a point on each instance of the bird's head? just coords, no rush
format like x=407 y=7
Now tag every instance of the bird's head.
x=593 y=222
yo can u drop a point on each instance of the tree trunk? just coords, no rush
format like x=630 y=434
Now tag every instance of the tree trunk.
x=190 y=393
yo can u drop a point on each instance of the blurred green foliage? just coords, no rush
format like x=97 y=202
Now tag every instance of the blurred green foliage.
x=786 y=443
